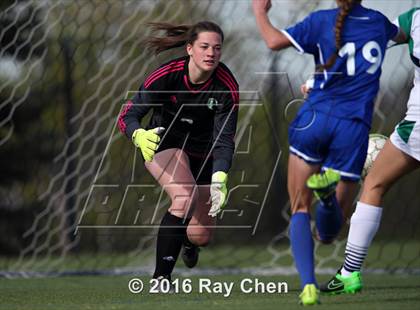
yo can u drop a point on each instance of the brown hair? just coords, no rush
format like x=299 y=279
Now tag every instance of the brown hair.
x=178 y=35
x=345 y=8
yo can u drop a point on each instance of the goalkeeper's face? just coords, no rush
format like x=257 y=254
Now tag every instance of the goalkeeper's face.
x=206 y=51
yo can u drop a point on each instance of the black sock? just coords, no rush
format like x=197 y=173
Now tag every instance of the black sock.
x=171 y=235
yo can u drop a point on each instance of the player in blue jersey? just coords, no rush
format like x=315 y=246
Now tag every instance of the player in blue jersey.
x=329 y=136
x=400 y=155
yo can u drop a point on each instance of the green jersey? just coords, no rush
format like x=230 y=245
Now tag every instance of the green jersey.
x=409 y=22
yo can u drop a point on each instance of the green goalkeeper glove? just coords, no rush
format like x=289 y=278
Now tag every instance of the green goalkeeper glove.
x=147 y=141
x=218 y=192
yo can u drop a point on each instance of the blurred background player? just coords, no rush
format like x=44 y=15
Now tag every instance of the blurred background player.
x=195 y=98
x=330 y=132
x=400 y=155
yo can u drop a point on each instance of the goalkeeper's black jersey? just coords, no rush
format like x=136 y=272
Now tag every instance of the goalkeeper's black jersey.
x=198 y=118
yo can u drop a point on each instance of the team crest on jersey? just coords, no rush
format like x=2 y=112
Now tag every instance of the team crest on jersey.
x=211 y=103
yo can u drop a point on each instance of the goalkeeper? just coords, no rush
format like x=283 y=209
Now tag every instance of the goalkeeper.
x=399 y=156
x=189 y=142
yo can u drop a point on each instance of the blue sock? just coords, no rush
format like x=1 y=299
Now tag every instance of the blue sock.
x=329 y=218
x=303 y=247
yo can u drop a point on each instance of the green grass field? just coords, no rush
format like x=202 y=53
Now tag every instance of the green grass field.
x=111 y=292
x=381 y=292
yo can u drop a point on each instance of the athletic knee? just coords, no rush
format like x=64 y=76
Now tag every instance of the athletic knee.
x=199 y=234
x=201 y=240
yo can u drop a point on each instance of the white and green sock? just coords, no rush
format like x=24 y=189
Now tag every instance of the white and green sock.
x=363 y=227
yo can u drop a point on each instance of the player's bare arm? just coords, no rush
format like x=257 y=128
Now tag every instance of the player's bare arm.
x=274 y=39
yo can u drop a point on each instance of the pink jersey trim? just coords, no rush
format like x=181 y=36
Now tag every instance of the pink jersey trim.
x=179 y=65
x=229 y=82
x=121 y=124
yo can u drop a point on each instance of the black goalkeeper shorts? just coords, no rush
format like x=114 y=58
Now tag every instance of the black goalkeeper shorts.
x=201 y=166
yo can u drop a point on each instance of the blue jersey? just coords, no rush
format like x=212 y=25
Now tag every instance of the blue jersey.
x=348 y=89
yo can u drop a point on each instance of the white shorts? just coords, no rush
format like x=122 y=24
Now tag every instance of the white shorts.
x=406 y=137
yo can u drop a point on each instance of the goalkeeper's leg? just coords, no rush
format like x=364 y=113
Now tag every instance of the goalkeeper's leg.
x=200 y=228
x=171 y=169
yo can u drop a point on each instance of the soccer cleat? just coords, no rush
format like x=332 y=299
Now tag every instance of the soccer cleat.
x=164 y=286
x=309 y=295
x=323 y=184
x=343 y=285
x=190 y=254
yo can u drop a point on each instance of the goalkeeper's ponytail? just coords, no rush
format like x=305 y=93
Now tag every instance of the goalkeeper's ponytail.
x=178 y=35
x=345 y=8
